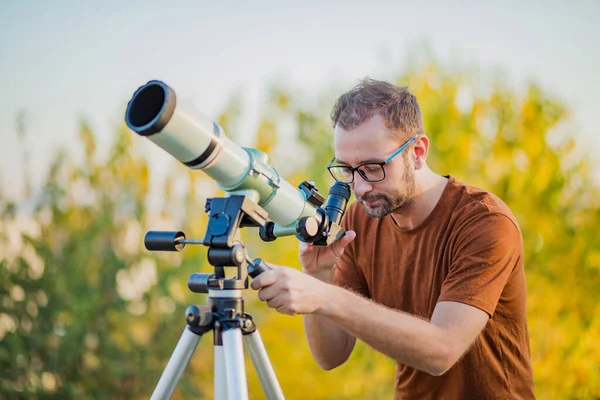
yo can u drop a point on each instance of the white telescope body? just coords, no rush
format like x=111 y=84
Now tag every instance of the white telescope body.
x=200 y=143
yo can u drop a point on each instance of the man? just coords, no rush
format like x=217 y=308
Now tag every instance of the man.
x=430 y=271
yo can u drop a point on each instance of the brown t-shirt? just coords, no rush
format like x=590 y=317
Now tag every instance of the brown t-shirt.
x=468 y=250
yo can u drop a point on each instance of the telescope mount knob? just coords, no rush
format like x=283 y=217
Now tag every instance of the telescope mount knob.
x=308 y=228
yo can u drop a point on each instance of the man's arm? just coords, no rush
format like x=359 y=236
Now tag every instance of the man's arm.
x=431 y=346
x=329 y=344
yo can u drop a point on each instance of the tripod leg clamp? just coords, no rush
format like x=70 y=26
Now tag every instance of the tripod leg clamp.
x=199 y=319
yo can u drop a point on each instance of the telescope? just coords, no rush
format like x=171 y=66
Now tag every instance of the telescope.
x=257 y=196
x=200 y=143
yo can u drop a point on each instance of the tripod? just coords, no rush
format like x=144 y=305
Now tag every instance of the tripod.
x=225 y=317
x=224 y=312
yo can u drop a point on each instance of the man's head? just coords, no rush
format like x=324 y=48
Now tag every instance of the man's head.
x=372 y=121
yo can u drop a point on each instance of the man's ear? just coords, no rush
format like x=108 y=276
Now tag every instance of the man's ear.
x=420 y=151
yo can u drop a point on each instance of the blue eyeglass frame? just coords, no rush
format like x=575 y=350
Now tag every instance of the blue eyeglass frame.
x=385 y=162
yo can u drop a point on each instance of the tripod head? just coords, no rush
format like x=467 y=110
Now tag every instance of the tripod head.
x=227 y=215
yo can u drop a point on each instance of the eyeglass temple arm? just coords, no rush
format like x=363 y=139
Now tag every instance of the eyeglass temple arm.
x=387 y=160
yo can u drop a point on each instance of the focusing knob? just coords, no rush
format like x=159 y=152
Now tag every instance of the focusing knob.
x=308 y=228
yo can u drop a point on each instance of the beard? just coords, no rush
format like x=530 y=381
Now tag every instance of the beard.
x=391 y=201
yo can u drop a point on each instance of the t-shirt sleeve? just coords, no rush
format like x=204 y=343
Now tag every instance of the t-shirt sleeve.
x=347 y=273
x=486 y=252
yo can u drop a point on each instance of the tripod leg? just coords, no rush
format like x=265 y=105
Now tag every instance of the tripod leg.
x=235 y=369
x=220 y=379
x=179 y=360
x=262 y=365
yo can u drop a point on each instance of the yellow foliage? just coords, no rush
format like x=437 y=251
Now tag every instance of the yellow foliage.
x=266 y=137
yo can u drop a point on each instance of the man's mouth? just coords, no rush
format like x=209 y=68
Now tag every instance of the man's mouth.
x=372 y=202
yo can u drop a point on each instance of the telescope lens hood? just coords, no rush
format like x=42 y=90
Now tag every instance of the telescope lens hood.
x=150 y=108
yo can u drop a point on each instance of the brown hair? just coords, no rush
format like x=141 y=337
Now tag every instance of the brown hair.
x=396 y=104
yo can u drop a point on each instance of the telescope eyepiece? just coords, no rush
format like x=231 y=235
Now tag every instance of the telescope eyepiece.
x=339 y=194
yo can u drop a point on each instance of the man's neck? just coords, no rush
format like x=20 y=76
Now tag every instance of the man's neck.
x=428 y=190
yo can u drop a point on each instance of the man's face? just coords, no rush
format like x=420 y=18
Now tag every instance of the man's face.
x=372 y=142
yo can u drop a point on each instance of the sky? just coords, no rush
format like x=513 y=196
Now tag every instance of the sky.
x=67 y=59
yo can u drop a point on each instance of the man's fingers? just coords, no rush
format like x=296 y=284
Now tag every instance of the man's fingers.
x=303 y=247
x=347 y=238
x=274 y=303
x=267 y=293
x=339 y=245
x=286 y=310
x=267 y=278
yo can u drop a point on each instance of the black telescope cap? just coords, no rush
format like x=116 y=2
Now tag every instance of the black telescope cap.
x=151 y=108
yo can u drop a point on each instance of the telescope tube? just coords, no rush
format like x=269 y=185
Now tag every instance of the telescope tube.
x=200 y=143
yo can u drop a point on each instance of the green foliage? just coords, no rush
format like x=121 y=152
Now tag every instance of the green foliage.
x=86 y=312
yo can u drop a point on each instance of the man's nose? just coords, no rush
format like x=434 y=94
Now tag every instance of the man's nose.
x=360 y=185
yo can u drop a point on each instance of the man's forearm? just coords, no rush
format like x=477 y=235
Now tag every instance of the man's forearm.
x=329 y=344
x=405 y=338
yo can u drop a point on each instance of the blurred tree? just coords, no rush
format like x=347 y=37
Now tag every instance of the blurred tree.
x=86 y=312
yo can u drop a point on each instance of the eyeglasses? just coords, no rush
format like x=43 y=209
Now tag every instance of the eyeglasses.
x=372 y=172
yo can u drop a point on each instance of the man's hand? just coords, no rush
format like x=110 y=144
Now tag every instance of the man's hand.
x=318 y=261
x=289 y=291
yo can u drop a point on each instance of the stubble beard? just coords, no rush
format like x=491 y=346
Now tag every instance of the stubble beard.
x=392 y=201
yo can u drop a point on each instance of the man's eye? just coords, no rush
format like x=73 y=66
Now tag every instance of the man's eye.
x=371 y=167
